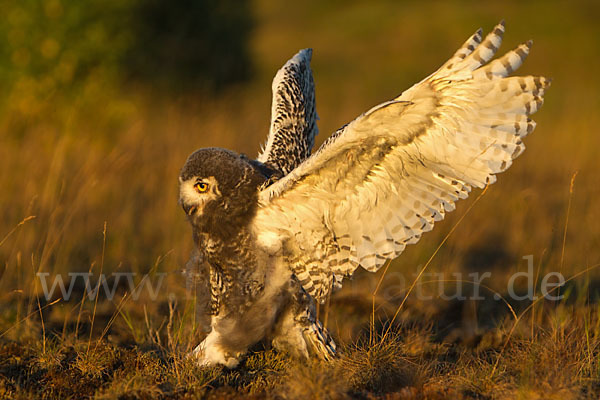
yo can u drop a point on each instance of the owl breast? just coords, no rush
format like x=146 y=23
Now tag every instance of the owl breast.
x=237 y=278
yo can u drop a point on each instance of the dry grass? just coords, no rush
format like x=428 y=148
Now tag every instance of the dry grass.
x=111 y=157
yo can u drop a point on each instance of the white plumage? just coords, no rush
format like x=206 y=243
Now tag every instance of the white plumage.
x=386 y=177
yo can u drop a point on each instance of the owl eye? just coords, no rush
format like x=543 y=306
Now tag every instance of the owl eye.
x=201 y=187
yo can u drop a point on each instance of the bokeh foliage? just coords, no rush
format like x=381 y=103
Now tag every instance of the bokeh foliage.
x=57 y=48
x=82 y=144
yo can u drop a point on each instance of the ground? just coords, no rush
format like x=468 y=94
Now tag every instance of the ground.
x=406 y=362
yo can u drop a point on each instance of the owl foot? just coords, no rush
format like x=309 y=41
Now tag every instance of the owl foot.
x=210 y=353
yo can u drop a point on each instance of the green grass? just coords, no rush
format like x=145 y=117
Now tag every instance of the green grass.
x=106 y=154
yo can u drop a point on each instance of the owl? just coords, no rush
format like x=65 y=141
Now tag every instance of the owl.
x=275 y=235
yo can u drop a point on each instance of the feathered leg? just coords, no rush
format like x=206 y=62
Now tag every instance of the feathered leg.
x=298 y=331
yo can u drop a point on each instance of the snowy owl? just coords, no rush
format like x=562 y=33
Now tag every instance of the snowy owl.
x=275 y=235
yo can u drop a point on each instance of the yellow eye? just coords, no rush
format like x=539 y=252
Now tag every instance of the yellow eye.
x=201 y=187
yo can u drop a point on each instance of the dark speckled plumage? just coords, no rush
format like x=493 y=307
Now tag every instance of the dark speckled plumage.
x=294 y=115
x=221 y=230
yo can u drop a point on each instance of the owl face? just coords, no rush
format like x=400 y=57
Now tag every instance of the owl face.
x=196 y=192
x=218 y=190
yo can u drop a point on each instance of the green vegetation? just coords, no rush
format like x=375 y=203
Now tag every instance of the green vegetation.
x=93 y=132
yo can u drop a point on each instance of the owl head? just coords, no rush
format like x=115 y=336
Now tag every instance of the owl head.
x=218 y=190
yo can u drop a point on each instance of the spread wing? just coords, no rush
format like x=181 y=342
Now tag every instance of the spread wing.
x=293 y=116
x=382 y=180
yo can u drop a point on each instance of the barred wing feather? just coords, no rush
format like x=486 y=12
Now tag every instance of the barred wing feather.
x=383 y=180
x=293 y=116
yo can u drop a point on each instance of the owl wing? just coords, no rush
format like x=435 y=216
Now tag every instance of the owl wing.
x=293 y=116
x=385 y=178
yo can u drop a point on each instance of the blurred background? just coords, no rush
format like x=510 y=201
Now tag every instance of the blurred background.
x=102 y=102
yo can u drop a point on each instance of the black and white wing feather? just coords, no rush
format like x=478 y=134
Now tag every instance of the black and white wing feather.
x=381 y=181
x=293 y=116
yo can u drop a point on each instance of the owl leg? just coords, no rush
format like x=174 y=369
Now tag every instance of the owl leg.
x=298 y=331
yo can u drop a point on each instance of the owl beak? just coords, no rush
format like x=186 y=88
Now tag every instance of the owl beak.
x=189 y=209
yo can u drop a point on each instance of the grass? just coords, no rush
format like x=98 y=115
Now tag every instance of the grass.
x=89 y=185
x=410 y=363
